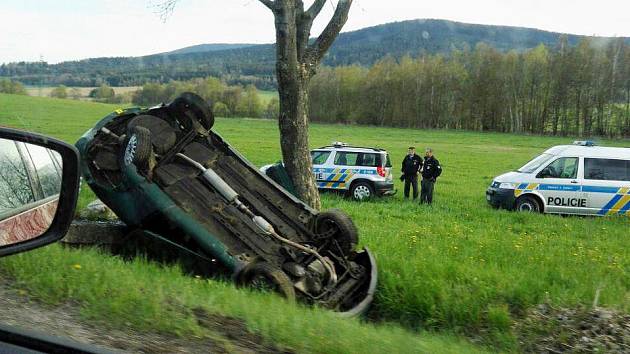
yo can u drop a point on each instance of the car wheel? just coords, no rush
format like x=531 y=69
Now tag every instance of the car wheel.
x=264 y=276
x=343 y=230
x=528 y=204
x=137 y=148
x=362 y=191
x=189 y=101
x=163 y=135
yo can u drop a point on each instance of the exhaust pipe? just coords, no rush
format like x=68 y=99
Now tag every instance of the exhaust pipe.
x=231 y=197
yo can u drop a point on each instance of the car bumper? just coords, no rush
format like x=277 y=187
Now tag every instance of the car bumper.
x=384 y=188
x=500 y=197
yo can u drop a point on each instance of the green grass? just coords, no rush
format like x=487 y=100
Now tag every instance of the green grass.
x=458 y=266
x=147 y=296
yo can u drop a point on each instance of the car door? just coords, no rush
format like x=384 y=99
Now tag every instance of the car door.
x=345 y=163
x=321 y=170
x=607 y=186
x=560 y=187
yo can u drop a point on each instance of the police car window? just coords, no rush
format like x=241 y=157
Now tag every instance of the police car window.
x=15 y=190
x=564 y=167
x=319 y=157
x=534 y=164
x=607 y=169
x=47 y=172
x=389 y=162
x=346 y=158
x=369 y=160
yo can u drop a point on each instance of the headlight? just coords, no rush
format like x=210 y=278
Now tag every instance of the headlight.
x=507 y=185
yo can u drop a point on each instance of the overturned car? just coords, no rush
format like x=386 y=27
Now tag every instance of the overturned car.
x=166 y=174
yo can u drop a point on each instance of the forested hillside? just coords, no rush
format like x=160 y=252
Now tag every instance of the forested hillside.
x=256 y=64
x=571 y=90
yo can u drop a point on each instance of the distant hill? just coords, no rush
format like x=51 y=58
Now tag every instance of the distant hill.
x=212 y=47
x=247 y=63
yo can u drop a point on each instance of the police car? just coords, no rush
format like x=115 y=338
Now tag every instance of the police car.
x=362 y=172
x=580 y=179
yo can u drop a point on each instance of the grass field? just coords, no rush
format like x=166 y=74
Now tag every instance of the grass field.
x=456 y=267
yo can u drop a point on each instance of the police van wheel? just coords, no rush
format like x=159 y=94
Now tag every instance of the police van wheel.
x=528 y=204
x=362 y=191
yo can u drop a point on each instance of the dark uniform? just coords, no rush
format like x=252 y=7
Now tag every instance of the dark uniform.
x=432 y=170
x=410 y=167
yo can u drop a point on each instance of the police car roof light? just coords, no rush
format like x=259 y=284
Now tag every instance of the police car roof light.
x=339 y=143
x=584 y=143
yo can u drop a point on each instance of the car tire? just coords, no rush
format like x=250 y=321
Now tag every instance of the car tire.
x=137 y=148
x=264 y=276
x=347 y=235
x=528 y=204
x=190 y=102
x=163 y=135
x=361 y=191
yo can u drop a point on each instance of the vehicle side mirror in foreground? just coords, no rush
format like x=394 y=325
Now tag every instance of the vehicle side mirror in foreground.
x=39 y=185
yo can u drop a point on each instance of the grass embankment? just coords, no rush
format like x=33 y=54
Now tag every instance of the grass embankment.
x=459 y=265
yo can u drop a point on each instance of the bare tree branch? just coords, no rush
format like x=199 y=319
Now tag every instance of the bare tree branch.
x=269 y=3
x=316 y=51
x=165 y=9
x=305 y=23
x=315 y=8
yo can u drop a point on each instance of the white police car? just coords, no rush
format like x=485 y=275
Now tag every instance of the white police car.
x=568 y=179
x=362 y=172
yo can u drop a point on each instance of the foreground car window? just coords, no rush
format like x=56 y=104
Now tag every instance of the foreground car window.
x=15 y=188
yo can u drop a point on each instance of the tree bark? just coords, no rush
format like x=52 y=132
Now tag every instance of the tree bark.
x=296 y=63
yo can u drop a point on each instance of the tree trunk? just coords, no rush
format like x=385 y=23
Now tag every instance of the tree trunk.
x=296 y=63
x=294 y=142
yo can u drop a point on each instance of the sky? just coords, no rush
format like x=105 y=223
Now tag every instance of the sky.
x=57 y=31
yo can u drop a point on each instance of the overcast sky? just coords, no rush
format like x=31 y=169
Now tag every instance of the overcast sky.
x=76 y=29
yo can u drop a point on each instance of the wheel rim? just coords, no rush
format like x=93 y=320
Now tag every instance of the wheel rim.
x=361 y=192
x=527 y=207
x=262 y=283
x=130 y=151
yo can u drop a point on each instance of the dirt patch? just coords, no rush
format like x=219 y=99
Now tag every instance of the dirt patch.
x=228 y=335
x=546 y=329
x=236 y=330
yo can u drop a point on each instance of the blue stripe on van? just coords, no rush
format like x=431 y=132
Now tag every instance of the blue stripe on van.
x=610 y=204
x=597 y=189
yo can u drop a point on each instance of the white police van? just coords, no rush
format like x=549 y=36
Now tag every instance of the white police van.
x=362 y=172
x=569 y=179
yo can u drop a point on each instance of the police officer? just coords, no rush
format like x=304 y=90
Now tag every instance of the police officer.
x=431 y=171
x=411 y=164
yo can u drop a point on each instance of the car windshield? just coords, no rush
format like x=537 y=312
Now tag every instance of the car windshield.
x=534 y=164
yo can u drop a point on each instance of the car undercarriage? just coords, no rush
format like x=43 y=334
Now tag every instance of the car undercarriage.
x=163 y=171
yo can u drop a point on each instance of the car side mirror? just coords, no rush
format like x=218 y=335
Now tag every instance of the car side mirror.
x=39 y=186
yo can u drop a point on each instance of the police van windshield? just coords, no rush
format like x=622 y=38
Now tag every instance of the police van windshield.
x=534 y=164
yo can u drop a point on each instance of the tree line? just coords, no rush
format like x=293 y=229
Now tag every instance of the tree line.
x=12 y=87
x=563 y=90
x=227 y=100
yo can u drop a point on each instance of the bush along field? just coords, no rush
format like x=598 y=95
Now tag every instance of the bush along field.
x=456 y=267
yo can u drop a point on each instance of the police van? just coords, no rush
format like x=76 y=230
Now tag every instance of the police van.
x=361 y=172
x=580 y=179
